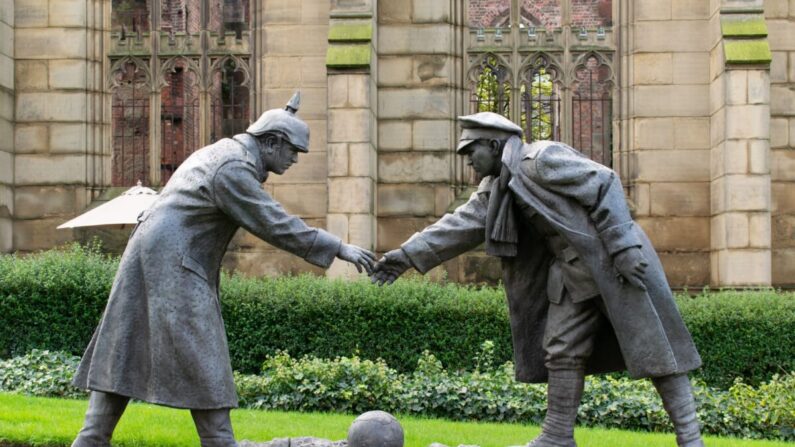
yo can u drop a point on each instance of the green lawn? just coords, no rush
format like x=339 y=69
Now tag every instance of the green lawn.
x=40 y=421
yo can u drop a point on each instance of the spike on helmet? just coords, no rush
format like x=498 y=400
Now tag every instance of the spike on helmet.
x=285 y=122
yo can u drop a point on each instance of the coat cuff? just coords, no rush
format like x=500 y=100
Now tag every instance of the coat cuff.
x=620 y=237
x=421 y=255
x=324 y=249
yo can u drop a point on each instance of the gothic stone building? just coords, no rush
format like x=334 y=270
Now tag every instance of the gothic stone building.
x=692 y=102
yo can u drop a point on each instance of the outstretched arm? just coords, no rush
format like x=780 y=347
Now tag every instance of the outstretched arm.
x=450 y=236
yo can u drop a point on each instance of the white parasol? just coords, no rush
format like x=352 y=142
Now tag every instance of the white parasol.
x=122 y=210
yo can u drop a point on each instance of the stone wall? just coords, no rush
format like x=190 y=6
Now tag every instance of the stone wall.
x=780 y=18
x=291 y=37
x=6 y=125
x=668 y=131
x=59 y=112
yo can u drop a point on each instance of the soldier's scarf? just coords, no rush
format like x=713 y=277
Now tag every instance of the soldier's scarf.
x=502 y=234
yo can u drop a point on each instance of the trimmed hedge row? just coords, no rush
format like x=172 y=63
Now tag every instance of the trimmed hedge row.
x=53 y=300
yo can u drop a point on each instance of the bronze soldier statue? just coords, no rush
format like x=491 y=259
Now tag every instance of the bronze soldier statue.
x=161 y=338
x=586 y=290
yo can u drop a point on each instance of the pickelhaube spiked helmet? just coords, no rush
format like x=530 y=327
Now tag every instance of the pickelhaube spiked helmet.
x=285 y=122
x=485 y=125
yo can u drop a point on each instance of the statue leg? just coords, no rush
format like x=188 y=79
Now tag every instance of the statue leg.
x=677 y=397
x=214 y=427
x=104 y=411
x=563 y=399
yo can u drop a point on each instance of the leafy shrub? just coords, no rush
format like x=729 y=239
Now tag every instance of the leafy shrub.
x=40 y=373
x=54 y=299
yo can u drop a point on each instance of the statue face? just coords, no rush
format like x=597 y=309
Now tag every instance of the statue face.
x=279 y=155
x=484 y=157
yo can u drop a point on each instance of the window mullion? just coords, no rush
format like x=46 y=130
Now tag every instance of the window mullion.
x=155 y=132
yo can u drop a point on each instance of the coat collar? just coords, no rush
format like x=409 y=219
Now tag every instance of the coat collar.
x=253 y=153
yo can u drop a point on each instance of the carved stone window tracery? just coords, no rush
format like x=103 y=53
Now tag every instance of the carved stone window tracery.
x=194 y=86
x=555 y=61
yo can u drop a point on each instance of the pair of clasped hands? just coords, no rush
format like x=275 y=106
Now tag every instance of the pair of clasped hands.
x=384 y=271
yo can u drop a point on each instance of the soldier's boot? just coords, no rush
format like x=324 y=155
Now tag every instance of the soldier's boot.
x=678 y=401
x=104 y=411
x=214 y=427
x=564 y=391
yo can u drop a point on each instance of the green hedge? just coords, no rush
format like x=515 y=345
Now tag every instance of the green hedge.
x=53 y=300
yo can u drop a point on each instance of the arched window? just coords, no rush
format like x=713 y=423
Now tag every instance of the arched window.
x=546 y=65
x=179 y=78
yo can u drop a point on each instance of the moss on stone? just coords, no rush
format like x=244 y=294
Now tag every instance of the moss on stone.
x=350 y=32
x=340 y=56
x=747 y=51
x=744 y=26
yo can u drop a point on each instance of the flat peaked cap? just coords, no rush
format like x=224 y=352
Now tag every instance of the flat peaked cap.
x=485 y=125
x=285 y=122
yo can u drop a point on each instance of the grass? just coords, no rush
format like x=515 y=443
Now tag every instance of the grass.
x=42 y=421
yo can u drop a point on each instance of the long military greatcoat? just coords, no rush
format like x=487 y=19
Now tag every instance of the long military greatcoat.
x=584 y=202
x=161 y=338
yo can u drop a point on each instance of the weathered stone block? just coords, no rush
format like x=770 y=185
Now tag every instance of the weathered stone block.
x=268 y=263
x=677 y=233
x=393 y=231
x=32 y=202
x=315 y=12
x=781 y=35
x=406 y=200
x=680 y=199
x=653 y=68
x=6 y=39
x=759 y=157
x=361 y=230
x=350 y=195
x=318 y=129
x=783 y=198
x=29 y=13
x=313 y=101
x=39 y=234
x=791 y=71
x=414 y=39
x=782 y=165
x=641 y=197
x=394 y=135
x=68 y=13
x=362 y=160
x=782 y=100
x=31 y=75
x=431 y=12
x=758 y=87
x=778 y=67
x=654 y=133
x=689 y=270
x=395 y=70
x=690 y=10
x=337 y=91
x=673 y=166
x=395 y=11
x=349 y=125
x=783 y=230
x=359 y=90
x=445 y=194
x=312 y=167
x=680 y=100
x=414 y=103
x=653 y=10
x=673 y=36
x=338 y=159
x=279 y=72
x=691 y=68
x=7 y=110
x=337 y=224
x=305 y=200
x=734 y=159
x=736 y=87
x=51 y=107
x=779 y=132
x=691 y=133
x=49 y=170
x=747 y=122
x=432 y=135
x=50 y=43
x=31 y=139
x=776 y=9
x=67 y=138
x=6 y=72
x=313 y=71
x=744 y=267
x=280 y=40
x=783 y=267
x=6 y=167
x=414 y=167
x=759 y=230
x=7 y=13
x=6 y=234
x=282 y=12
x=740 y=193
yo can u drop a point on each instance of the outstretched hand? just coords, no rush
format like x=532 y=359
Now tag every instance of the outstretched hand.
x=392 y=265
x=361 y=258
x=631 y=266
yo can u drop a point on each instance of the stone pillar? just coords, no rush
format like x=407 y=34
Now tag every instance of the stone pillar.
x=351 y=136
x=6 y=125
x=740 y=128
x=61 y=128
